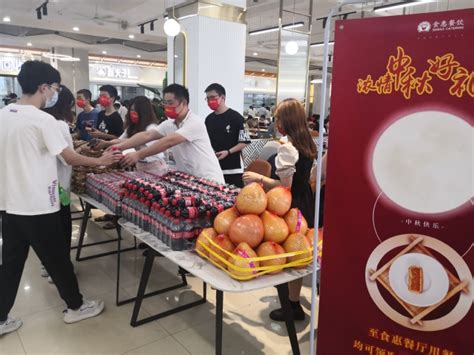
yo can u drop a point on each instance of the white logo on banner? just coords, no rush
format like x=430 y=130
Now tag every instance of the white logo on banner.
x=424 y=26
x=440 y=26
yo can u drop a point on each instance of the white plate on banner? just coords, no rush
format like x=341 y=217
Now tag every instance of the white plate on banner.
x=423 y=162
x=435 y=279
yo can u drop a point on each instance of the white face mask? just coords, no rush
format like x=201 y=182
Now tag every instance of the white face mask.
x=50 y=102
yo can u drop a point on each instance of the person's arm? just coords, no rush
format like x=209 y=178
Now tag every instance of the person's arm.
x=235 y=149
x=268 y=183
x=314 y=171
x=74 y=159
x=243 y=140
x=138 y=139
x=105 y=144
x=160 y=146
x=285 y=162
x=100 y=135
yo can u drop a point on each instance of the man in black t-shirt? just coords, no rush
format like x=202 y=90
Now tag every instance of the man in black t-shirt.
x=227 y=133
x=109 y=122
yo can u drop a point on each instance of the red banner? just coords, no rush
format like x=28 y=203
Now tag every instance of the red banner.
x=399 y=217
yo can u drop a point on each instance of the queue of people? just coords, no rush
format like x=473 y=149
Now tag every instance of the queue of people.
x=35 y=212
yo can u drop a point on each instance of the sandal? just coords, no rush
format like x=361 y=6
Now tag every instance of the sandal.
x=108 y=225
x=104 y=218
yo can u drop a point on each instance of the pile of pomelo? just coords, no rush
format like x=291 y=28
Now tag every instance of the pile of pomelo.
x=259 y=225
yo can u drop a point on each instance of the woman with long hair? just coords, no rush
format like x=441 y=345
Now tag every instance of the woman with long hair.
x=140 y=118
x=62 y=112
x=293 y=162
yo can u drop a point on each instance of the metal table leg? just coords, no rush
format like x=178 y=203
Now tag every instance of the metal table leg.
x=141 y=295
x=82 y=231
x=80 y=244
x=289 y=320
x=219 y=320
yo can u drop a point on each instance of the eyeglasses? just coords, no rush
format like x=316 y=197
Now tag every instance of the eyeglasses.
x=57 y=88
x=214 y=97
x=171 y=102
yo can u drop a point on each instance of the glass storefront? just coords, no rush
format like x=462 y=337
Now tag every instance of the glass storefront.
x=8 y=84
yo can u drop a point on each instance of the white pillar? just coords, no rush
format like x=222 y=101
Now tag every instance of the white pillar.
x=74 y=75
x=215 y=54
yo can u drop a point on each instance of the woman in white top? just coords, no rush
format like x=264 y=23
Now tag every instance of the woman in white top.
x=141 y=117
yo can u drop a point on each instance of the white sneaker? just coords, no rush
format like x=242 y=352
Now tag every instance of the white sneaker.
x=88 y=309
x=44 y=273
x=10 y=325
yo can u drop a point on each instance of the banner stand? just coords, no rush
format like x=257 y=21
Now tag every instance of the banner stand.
x=327 y=34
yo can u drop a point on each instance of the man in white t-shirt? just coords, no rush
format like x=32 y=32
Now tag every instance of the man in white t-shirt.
x=185 y=133
x=30 y=141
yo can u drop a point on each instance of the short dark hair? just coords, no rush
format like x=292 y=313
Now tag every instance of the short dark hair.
x=110 y=89
x=34 y=73
x=217 y=88
x=179 y=91
x=62 y=110
x=86 y=93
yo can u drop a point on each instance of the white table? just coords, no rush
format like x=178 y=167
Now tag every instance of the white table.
x=213 y=276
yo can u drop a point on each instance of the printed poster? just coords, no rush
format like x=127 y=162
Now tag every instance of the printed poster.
x=399 y=217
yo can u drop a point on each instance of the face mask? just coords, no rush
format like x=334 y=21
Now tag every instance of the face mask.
x=50 y=102
x=170 y=112
x=81 y=103
x=134 y=117
x=104 y=101
x=213 y=104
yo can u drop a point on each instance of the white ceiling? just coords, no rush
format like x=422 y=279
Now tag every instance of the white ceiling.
x=118 y=19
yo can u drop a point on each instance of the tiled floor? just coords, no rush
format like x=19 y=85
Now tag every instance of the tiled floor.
x=247 y=328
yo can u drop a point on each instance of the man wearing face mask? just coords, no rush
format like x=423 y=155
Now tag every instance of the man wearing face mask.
x=109 y=122
x=88 y=117
x=227 y=133
x=30 y=141
x=184 y=133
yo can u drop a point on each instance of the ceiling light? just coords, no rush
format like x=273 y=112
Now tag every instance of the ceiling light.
x=255 y=53
x=172 y=27
x=131 y=36
x=139 y=56
x=29 y=44
x=400 y=5
x=276 y=28
x=75 y=28
x=291 y=48
x=320 y=44
x=104 y=52
x=7 y=19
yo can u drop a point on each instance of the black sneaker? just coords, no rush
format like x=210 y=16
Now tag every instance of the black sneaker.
x=279 y=316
